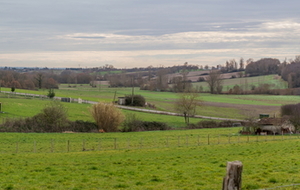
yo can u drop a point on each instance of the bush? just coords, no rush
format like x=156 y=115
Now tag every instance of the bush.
x=132 y=123
x=210 y=124
x=107 y=116
x=82 y=126
x=51 y=93
x=135 y=100
x=53 y=118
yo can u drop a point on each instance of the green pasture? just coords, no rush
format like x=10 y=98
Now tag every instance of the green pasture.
x=246 y=83
x=163 y=101
x=17 y=107
x=42 y=161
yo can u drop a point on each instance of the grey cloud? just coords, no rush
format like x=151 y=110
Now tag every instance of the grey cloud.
x=33 y=25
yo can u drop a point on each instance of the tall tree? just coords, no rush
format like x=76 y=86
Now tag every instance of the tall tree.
x=187 y=104
x=214 y=81
x=39 y=79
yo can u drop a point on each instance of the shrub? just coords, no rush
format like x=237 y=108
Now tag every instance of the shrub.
x=135 y=100
x=107 y=116
x=132 y=123
x=210 y=124
x=53 y=118
x=51 y=93
x=82 y=126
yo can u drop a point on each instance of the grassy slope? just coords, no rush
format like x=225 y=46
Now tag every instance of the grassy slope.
x=193 y=167
x=274 y=80
x=163 y=101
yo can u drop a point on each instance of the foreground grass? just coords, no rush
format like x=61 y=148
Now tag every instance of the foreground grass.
x=266 y=164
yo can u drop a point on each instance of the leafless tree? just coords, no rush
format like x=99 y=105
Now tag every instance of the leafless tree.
x=214 y=81
x=187 y=104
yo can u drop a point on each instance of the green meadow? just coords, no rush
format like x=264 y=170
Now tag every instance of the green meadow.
x=163 y=101
x=246 y=83
x=174 y=159
x=42 y=161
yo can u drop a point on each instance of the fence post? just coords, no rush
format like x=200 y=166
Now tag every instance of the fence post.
x=187 y=140
x=198 y=140
x=128 y=143
x=178 y=141
x=52 y=146
x=208 y=139
x=83 y=145
x=99 y=144
x=229 y=139
x=34 y=146
x=218 y=139
x=233 y=178
x=167 y=141
x=115 y=143
x=141 y=143
x=248 y=138
x=17 y=147
x=68 y=146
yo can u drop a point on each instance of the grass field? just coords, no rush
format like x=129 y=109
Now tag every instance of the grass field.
x=267 y=163
x=274 y=81
x=164 y=101
x=16 y=107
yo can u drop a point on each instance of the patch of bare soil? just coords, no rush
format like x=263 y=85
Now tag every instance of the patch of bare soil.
x=248 y=110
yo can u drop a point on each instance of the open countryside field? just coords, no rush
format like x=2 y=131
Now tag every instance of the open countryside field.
x=185 y=166
x=225 y=106
x=246 y=83
x=17 y=107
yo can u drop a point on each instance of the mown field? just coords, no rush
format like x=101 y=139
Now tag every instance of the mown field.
x=267 y=163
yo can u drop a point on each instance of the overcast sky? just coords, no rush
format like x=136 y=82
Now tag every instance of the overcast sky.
x=140 y=33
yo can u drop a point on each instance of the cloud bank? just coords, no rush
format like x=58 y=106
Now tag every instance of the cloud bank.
x=142 y=33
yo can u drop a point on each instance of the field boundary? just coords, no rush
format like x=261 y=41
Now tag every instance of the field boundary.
x=106 y=144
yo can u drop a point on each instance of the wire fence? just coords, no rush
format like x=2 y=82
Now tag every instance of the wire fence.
x=123 y=143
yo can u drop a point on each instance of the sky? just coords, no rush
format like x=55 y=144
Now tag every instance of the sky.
x=142 y=33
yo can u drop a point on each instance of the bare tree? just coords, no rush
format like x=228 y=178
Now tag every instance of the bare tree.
x=214 y=81
x=187 y=104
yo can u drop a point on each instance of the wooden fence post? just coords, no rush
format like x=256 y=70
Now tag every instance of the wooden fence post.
x=233 y=178
x=167 y=142
x=34 y=146
x=99 y=144
x=128 y=143
x=68 y=146
x=187 y=140
x=208 y=139
x=52 y=146
x=83 y=145
x=17 y=147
